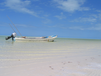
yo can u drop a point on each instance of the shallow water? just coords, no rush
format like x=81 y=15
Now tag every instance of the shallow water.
x=33 y=49
x=83 y=57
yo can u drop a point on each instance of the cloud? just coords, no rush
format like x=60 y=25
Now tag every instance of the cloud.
x=46 y=21
x=71 y=5
x=86 y=19
x=2 y=9
x=77 y=28
x=21 y=25
x=96 y=27
x=19 y=5
x=99 y=16
x=61 y=16
x=98 y=11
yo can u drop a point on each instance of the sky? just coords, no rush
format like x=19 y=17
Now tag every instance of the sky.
x=65 y=18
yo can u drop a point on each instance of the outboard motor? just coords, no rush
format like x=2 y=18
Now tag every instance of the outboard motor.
x=12 y=36
x=7 y=37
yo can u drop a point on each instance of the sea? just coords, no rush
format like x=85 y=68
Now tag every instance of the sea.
x=44 y=52
x=25 y=49
x=58 y=43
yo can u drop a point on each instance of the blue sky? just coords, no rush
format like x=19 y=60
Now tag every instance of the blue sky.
x=65 y=18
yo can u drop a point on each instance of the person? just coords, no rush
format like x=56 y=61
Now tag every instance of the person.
x=13 y=35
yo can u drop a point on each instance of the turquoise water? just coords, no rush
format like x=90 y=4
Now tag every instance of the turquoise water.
x=58 y=42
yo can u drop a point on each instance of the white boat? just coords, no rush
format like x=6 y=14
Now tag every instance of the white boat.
x=49 y=38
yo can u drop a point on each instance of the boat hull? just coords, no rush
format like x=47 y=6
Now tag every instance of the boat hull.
x=49 y=39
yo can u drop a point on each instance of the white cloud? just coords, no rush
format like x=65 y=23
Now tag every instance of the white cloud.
x=71 y=5
x=99 y=16
x=96 y=27
x=98 y=11
x=35 y=0
x=61 y=16
x=2 y=9
x=46 y=21
x=20 y=6
x=89 y=19
x=77 y=28
x=22 y=25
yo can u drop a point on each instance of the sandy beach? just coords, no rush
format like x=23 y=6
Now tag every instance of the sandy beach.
x=64 y=57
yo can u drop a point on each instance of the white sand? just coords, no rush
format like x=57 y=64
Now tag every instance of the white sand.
x=71 y=58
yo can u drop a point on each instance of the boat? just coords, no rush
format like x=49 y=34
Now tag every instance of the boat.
x=22 y=38
x=48 y=38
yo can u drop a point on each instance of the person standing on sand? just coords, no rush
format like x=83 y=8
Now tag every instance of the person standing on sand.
x=13 y=35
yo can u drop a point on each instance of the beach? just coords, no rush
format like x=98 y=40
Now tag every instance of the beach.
x=63 y=57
